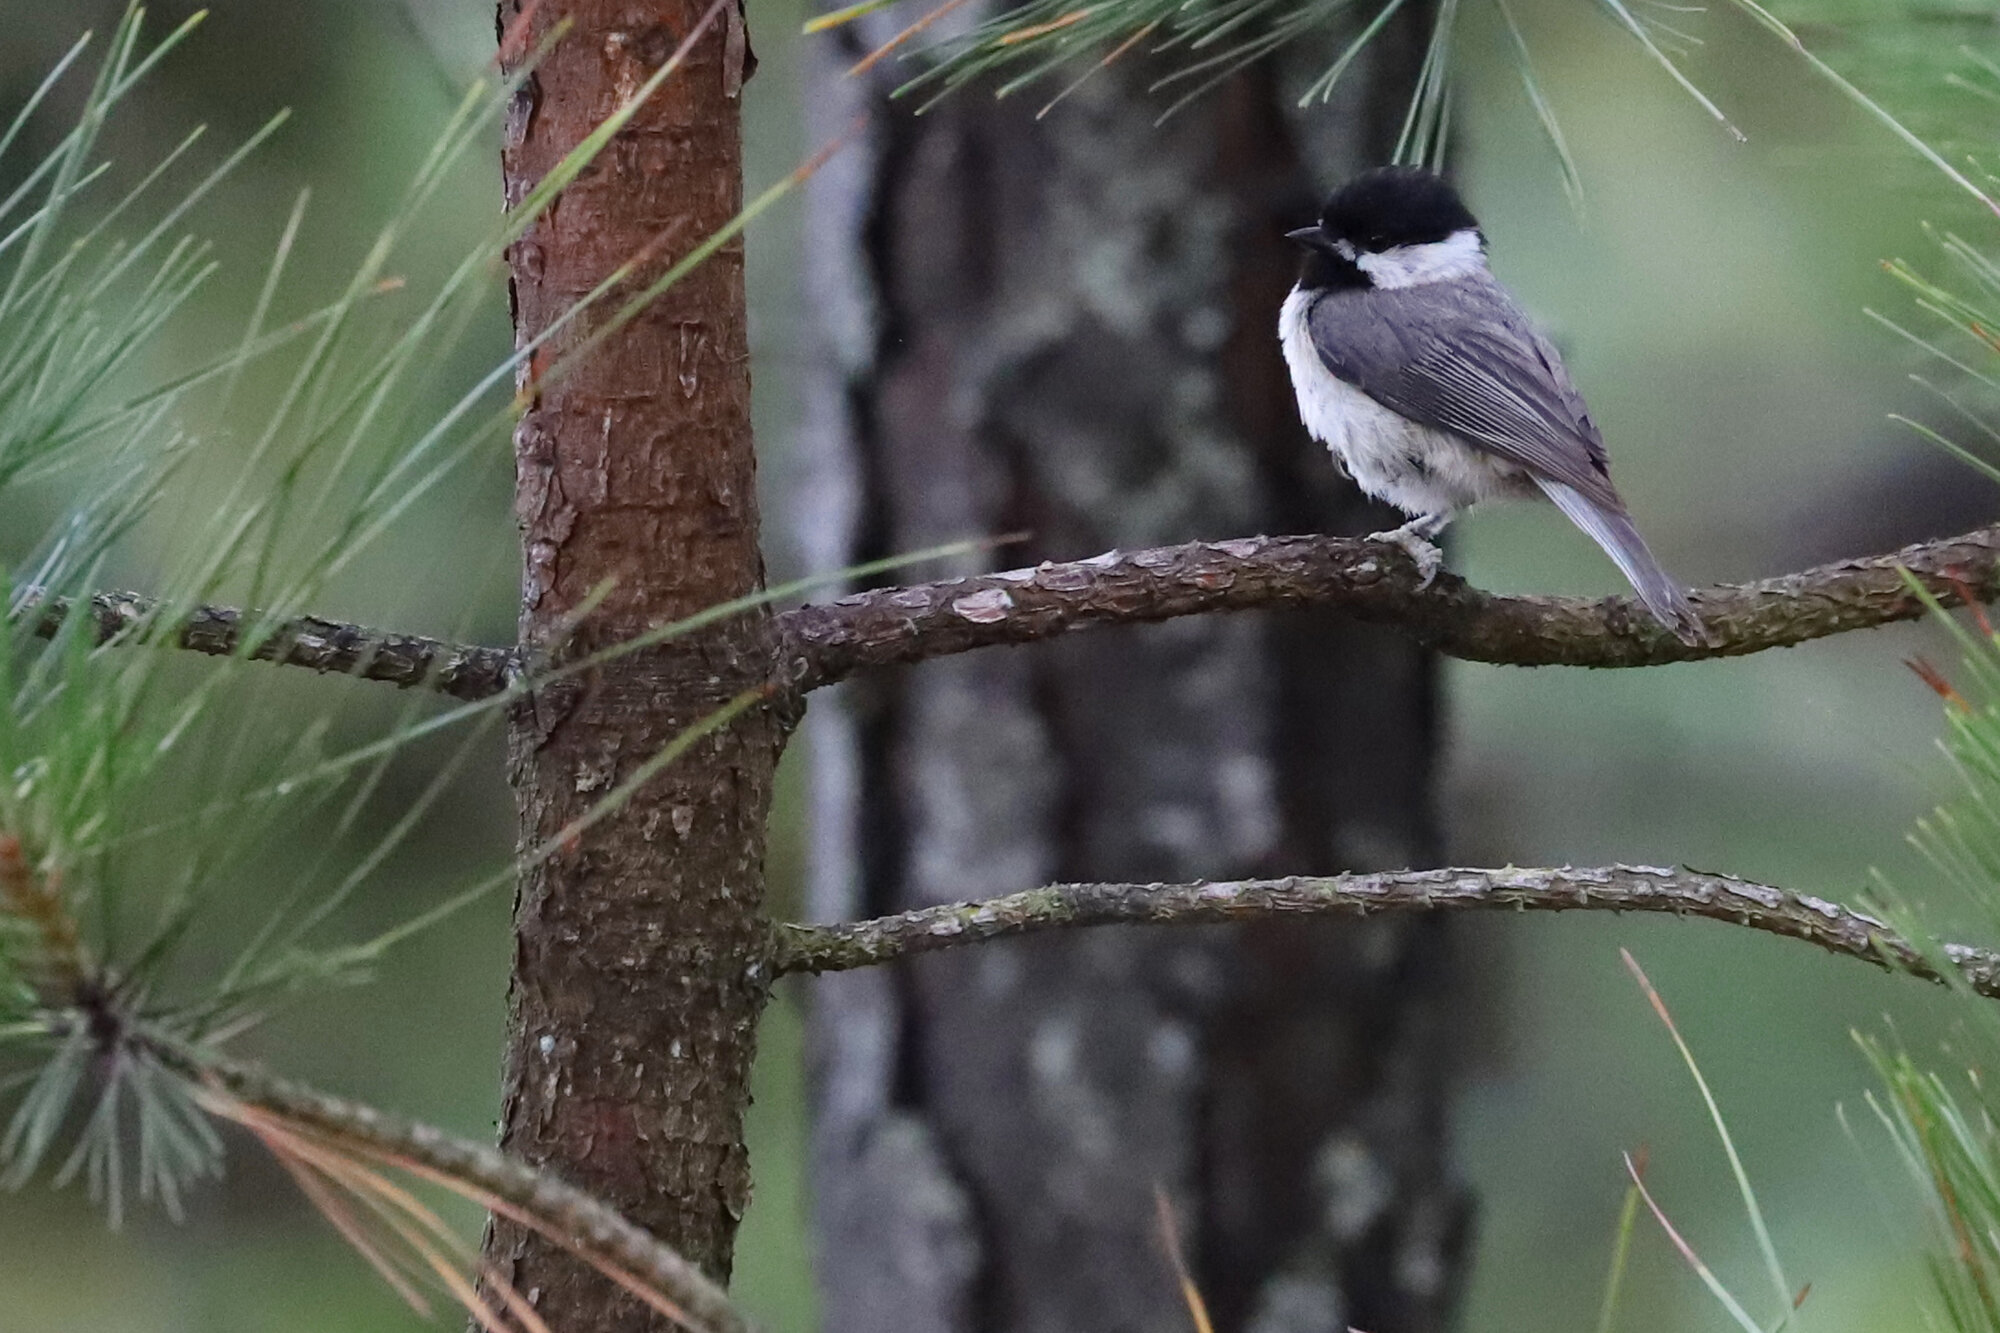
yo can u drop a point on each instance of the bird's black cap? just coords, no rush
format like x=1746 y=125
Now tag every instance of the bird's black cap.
x=1387 y=207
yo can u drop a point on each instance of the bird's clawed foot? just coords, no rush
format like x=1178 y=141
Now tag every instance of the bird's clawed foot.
x=1415 y=539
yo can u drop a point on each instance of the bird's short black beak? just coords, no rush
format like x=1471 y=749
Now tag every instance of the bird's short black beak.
x=1311 y=238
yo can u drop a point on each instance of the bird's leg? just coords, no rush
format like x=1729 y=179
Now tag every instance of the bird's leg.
x=1415 y=539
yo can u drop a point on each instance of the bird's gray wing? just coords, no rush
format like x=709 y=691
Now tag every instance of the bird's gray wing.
x=1461 y=357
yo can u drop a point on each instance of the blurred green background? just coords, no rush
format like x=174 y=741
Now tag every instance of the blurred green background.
x=1710 y=299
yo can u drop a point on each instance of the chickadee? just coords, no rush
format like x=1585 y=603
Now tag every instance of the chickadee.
x=1431 y=387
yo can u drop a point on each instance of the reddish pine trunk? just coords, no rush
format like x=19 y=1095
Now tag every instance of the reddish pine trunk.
x=636 y=992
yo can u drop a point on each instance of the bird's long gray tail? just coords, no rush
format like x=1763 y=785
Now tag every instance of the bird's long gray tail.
x=1622 y=542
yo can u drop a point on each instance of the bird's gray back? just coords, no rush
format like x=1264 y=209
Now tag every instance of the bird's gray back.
x=1461 y=356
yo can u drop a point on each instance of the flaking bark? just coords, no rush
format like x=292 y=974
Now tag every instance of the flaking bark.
x=638 y=981
x=1379 y=584
x=823 y=643
x=407 y=661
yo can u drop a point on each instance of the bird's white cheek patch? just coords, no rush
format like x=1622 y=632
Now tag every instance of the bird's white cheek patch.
x=1459 y=255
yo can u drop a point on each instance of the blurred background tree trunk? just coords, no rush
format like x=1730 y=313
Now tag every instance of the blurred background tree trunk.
x=1066 y=327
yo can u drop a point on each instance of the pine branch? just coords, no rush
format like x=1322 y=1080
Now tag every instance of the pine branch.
x=1371 y=581
x=1618 y=888
x=463 y=671
x=597 y=1229
x=1376 y=582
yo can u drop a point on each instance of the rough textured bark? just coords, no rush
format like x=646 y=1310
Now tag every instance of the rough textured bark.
x=1618 y=888
x=1067 y=327
x=821 y=643
x=1374 y=582
x=636 y=986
